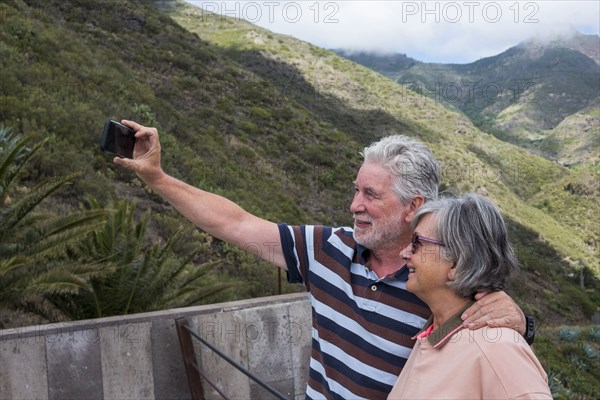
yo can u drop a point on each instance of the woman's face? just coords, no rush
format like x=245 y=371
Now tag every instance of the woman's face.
x=428 y=269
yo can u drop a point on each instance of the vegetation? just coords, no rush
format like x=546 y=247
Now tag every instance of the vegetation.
x=32 y=243
x=135 y=279
x=91 y=263
x=571 y=358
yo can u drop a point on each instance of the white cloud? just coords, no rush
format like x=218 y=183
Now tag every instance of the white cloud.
x=434 y=31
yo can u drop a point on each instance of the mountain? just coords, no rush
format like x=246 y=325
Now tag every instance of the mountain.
x=390 y=65
x=251 y=115
x=519 y=95
x=576 y=139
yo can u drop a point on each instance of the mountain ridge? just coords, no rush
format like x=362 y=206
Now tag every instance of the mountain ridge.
x=519 y=95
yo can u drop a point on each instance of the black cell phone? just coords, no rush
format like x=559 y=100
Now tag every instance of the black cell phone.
x=117 y=139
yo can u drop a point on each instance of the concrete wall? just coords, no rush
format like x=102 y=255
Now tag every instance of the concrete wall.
x=138 y=356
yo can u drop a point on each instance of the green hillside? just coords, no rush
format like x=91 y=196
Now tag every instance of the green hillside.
x=276 y=125
x=576 y=139
x=244 y=112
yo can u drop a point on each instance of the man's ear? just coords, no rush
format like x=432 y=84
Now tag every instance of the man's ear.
x=414 y=205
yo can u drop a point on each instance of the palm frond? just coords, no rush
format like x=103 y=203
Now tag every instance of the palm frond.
x=14 y=155
x=91 y=263
x=196 y=295
x=24 y=206
x=35 y=248
x=55 y=236
x=45 y=309
x=9 y=264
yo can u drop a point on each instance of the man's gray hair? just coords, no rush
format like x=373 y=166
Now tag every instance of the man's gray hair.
x=476 y=240
x=415 y=169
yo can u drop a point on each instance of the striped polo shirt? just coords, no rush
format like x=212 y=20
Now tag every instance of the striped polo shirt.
x=362 y=325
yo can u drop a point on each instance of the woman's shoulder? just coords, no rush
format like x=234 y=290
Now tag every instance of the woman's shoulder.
x=510 y=362
x=486 y=337
x=492 y=343
x=502 y=342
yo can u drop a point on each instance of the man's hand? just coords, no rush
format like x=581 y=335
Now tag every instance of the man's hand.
x=146 y=154
x=494 y=309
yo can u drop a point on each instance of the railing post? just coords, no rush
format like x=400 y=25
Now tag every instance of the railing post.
x=192 y=370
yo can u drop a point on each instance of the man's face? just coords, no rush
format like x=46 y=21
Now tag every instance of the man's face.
x=380 y=219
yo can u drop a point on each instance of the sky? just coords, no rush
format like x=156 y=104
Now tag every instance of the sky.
x=429 y=31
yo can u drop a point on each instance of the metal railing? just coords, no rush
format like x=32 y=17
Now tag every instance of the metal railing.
x=194 y=372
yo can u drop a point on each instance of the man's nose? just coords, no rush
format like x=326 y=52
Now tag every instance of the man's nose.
x=357 y=205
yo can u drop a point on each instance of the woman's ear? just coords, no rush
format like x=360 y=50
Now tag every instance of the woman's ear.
x=452 y=273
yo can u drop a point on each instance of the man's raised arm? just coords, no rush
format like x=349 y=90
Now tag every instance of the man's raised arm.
x=214 y=214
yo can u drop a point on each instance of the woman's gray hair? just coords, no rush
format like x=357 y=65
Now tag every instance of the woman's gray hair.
x=476 y=240
x=415 y=169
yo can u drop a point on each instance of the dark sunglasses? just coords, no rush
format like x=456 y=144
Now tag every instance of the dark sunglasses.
x=418 y=240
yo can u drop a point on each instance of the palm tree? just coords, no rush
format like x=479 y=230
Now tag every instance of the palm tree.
x=33 y=244
x=137 y=279
x=91 y=263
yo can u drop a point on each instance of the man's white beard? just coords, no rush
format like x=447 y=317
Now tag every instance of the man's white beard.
x=380 y=235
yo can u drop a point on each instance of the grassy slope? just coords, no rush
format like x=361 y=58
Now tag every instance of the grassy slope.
x=252 y=115
x=577 y=138
x=66 y=67
x=259 y=129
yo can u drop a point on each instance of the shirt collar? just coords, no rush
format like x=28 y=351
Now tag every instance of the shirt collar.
x=363 y=255
x=439 y=337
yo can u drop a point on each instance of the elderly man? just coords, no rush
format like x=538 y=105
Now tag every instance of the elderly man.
x=363 y=318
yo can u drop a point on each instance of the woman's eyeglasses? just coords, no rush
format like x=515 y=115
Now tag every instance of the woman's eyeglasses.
x=418 y=240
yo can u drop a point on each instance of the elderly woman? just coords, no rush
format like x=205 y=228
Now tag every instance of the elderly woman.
x=460 y=247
